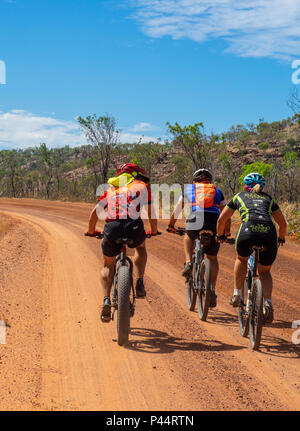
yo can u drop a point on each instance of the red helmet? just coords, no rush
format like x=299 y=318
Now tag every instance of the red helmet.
x=129 y=168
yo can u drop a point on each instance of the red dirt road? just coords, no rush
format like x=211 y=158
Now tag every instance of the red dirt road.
x=59 y=356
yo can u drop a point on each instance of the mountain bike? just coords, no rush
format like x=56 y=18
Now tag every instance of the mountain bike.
x=123 y=293
x=250 y=311
x=198 y=284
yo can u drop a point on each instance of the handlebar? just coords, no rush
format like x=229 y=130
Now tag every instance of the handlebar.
x=100 y=235
x=181 y=231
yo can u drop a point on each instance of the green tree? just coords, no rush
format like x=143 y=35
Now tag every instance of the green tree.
x=230 y=169
x=146 y=155
x=47 y=166
x=12 y=172
x=183 y=170
x=57 y=161
x=29 y=183
x=238 y=133
x=194 y=143
x=291 y=165
x=263 y=146
x=93 y=163
x=260 y=167
x=103 y=134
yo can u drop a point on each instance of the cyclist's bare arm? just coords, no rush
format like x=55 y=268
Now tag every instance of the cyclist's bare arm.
x=177 y=211
x=152 y=219
x=280 y=220
x=228 y=222
x=224 y=218
x=93 y=221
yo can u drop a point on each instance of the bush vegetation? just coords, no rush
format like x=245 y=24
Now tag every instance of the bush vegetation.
x=75 y=173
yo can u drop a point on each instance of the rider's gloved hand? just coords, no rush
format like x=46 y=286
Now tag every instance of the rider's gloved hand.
x=221 y=238
x=281 y=241
x=171 y=229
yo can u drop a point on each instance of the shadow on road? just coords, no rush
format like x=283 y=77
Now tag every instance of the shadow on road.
x=152 y=341
x=279 y=347
x=220 y=317
x=282 y=324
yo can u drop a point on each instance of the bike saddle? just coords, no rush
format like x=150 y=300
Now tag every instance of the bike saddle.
x=124 y=241
x=258 y=247
x=208 y=232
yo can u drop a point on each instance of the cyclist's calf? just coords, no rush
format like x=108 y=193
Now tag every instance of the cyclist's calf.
x=140 y=260
x=266 y=280
x=188 y=248
x=214 y=268
x=240 y=270
x=107 y=274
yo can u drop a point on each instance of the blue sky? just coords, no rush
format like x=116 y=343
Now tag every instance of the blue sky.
x=221 y=62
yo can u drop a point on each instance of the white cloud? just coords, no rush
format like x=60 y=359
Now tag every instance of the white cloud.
x=22 y=129
x=256 y=28
x=131 y=138
x=144 y=127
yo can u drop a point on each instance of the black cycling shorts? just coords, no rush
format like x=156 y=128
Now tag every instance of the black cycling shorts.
x=261 y=234
x=204 y=221
x=113 y=230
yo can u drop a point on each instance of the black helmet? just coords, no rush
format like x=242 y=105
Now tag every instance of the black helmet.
x=202 y=175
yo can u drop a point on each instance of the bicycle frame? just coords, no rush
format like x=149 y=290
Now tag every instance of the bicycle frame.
x=252 y=272
x=198 y=254
x=254 y=261
x=198 y=257
x=250 y=312
x=123 y=292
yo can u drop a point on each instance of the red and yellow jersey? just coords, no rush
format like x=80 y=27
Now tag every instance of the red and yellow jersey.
x=125 y=202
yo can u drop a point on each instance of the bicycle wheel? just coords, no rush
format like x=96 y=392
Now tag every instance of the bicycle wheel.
x=242 y=314
x=123 y=321
x=205 y=289
x=191 y=294
x=256 y=314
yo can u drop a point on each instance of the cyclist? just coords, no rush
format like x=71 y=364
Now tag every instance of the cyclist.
x=256 y=210
x=128 y=192
x=206 y=202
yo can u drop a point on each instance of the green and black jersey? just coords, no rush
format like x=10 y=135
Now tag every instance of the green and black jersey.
x=255 y=207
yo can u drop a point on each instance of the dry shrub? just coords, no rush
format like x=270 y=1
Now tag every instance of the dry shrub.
x=291 y=212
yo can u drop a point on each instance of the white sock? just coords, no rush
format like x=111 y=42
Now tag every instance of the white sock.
x=237 y=292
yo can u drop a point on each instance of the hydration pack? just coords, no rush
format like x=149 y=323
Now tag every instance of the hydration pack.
x=204 y=195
